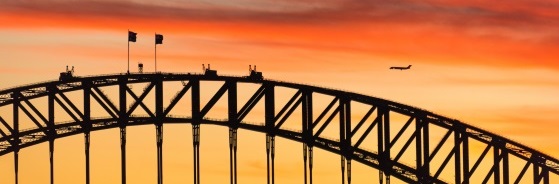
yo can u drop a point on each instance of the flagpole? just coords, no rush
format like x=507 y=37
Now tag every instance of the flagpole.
x=128 y=41
x=155 y=52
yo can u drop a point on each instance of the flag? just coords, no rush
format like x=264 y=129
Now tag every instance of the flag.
x=158 y=39
x=132 y=36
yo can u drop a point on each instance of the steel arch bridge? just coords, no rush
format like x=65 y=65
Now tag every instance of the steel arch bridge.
x=386 y=158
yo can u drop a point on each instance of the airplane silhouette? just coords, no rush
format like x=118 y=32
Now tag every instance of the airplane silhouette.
x=400 y=68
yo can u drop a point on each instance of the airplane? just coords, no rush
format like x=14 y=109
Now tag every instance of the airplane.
x=400 y=68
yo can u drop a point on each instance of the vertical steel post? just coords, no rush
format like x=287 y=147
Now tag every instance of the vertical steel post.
x=422 y=146
x=386 y=119
x=305 y=161
x=536 y=169
x=233 y=125
x=426 y=150
x=465 y=157
x=123 y=154
x=505 y=156
x=159 y=139
x=196 y=144
x=269 y=102
x=418 y=146
x=51 y=130
x=87 y=125
x=380 y=138
x=16 y=164
x=310 y=163
x=159 y=126
x=196 y=128
x=233 y=155
x=268 y=179
x=15 y=98
x=305 y=129
x=343 y=168
x=343 y=146
x=347 y=127
x=349 y=171
x=496 y=162
x=123 y=120
x=272 y=154
x=457 y=160
x=87 y=165
x=310 y=137
x=51 y=159
x=545 y=176
x=384 y=142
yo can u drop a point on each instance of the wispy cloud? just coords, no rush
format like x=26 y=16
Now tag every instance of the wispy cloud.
x=469 y=14
x=510 y=34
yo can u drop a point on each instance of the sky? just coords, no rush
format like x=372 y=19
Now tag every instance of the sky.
x=494 y=65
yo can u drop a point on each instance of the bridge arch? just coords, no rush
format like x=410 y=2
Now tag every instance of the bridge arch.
x=385 y=158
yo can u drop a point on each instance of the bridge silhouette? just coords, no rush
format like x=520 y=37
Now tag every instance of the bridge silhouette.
x=375 y=123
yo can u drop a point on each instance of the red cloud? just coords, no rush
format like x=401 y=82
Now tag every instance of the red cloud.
x=513 y=34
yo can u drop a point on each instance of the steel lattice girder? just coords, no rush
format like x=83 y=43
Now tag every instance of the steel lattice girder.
x=15 y=139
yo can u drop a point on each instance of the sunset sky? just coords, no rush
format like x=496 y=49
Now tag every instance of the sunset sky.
x=494 y=65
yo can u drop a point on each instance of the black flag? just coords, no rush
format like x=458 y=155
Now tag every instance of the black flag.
x=132 y=36
x=158 y=39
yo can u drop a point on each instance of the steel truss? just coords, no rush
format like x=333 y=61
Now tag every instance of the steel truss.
x=13 y=139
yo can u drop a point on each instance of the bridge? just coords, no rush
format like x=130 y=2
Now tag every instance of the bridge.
x=396 y=129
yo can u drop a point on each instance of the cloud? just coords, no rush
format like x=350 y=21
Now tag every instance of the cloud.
x=516 y=34
x=402 y=11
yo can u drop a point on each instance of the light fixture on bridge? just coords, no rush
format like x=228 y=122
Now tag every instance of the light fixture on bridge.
x=140 y=67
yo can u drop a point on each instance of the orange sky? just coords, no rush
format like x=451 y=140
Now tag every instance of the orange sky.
x=491 y=64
